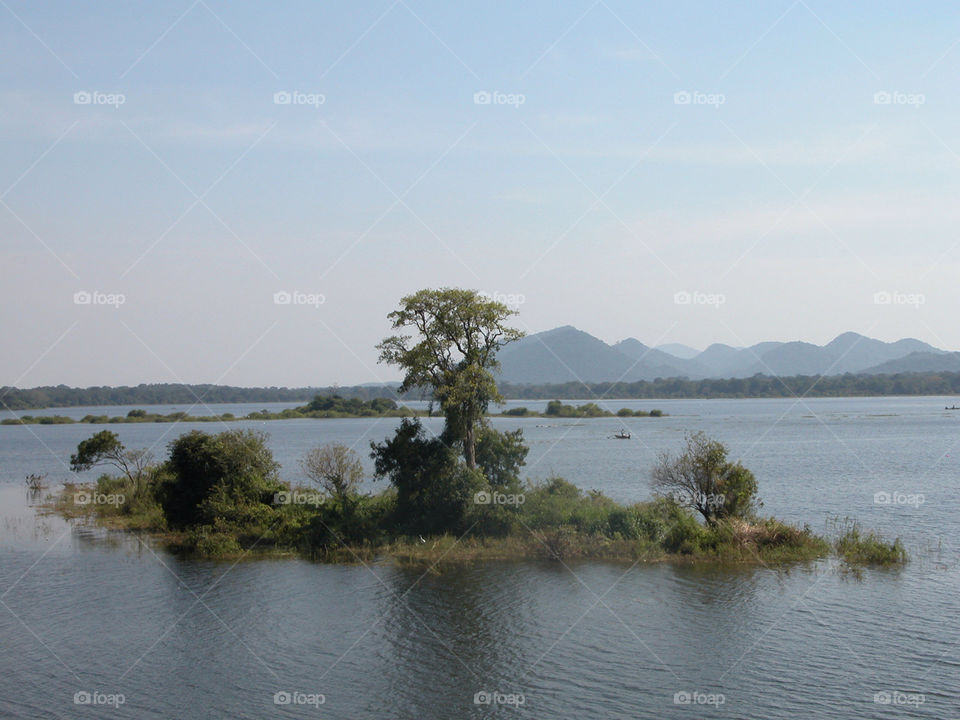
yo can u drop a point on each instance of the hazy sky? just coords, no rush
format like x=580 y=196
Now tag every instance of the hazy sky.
x=183 y=162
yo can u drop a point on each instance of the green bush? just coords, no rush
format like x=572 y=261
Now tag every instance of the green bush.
x=685 y=536
x=517 y=412
x=231 y=476
x=500 y=455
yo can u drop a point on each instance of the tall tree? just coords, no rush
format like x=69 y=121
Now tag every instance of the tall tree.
x=453 y=348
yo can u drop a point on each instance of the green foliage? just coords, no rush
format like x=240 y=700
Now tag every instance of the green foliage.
x=685 y=536
x=170 y=394
x=367 y=521
x=453 y=352
x=334 y=405
x=858 y=548
x=559 y=503
x=95 y=450
x=219 y=492
x=555 y=408
x=433 y=489
x=758 y=386
x=231 y=476
x=649 y=522
x=516 y=412
x=38 y=420
x=105 y=448
x=703 y=479
x=500 y=455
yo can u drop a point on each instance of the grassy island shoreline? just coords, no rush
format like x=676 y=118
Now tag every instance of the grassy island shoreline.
x=562 y=524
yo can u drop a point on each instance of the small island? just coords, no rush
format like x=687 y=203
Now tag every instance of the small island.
x=456 y=496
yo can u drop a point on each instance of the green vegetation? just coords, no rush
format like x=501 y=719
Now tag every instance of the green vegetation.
x=557 y=409
x=454 y=349
x=758 y=386
x=172 y=394
x=141 y=416
x=40 y=420
x=221 y=496
x=859 y=548
x=322 y=406
x=702 y=479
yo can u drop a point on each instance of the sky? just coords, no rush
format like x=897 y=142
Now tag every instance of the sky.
x=239 y=193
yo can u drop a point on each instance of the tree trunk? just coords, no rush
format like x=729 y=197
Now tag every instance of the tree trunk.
x=469 y=446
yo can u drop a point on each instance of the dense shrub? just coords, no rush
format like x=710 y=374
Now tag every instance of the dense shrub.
x=231 y=476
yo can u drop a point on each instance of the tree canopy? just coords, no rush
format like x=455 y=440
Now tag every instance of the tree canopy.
x=702 y=479
x=452 y=346
x=105 y=448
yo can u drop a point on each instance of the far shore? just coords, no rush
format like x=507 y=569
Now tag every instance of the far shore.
x=555 y=410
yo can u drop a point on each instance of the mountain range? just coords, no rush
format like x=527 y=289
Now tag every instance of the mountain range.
x=567 y=354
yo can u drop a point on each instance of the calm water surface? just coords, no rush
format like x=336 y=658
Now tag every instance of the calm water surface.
x=87 y=611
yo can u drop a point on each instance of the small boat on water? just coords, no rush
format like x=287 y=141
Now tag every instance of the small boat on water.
x=952 y=407
x=622 y=435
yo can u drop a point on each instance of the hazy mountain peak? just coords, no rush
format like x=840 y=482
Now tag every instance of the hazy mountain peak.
x=684 y=352
x=568 y=354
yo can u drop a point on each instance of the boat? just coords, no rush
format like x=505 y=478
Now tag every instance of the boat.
x=622 y=435
x=953 y=407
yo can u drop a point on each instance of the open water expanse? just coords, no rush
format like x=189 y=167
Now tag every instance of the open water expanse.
x=83 y=611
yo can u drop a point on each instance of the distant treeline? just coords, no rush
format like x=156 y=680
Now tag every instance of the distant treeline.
x=758 y=386
x=174 y=394
x=322 y=406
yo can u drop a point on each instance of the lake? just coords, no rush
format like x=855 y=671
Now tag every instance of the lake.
x=113 y=618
